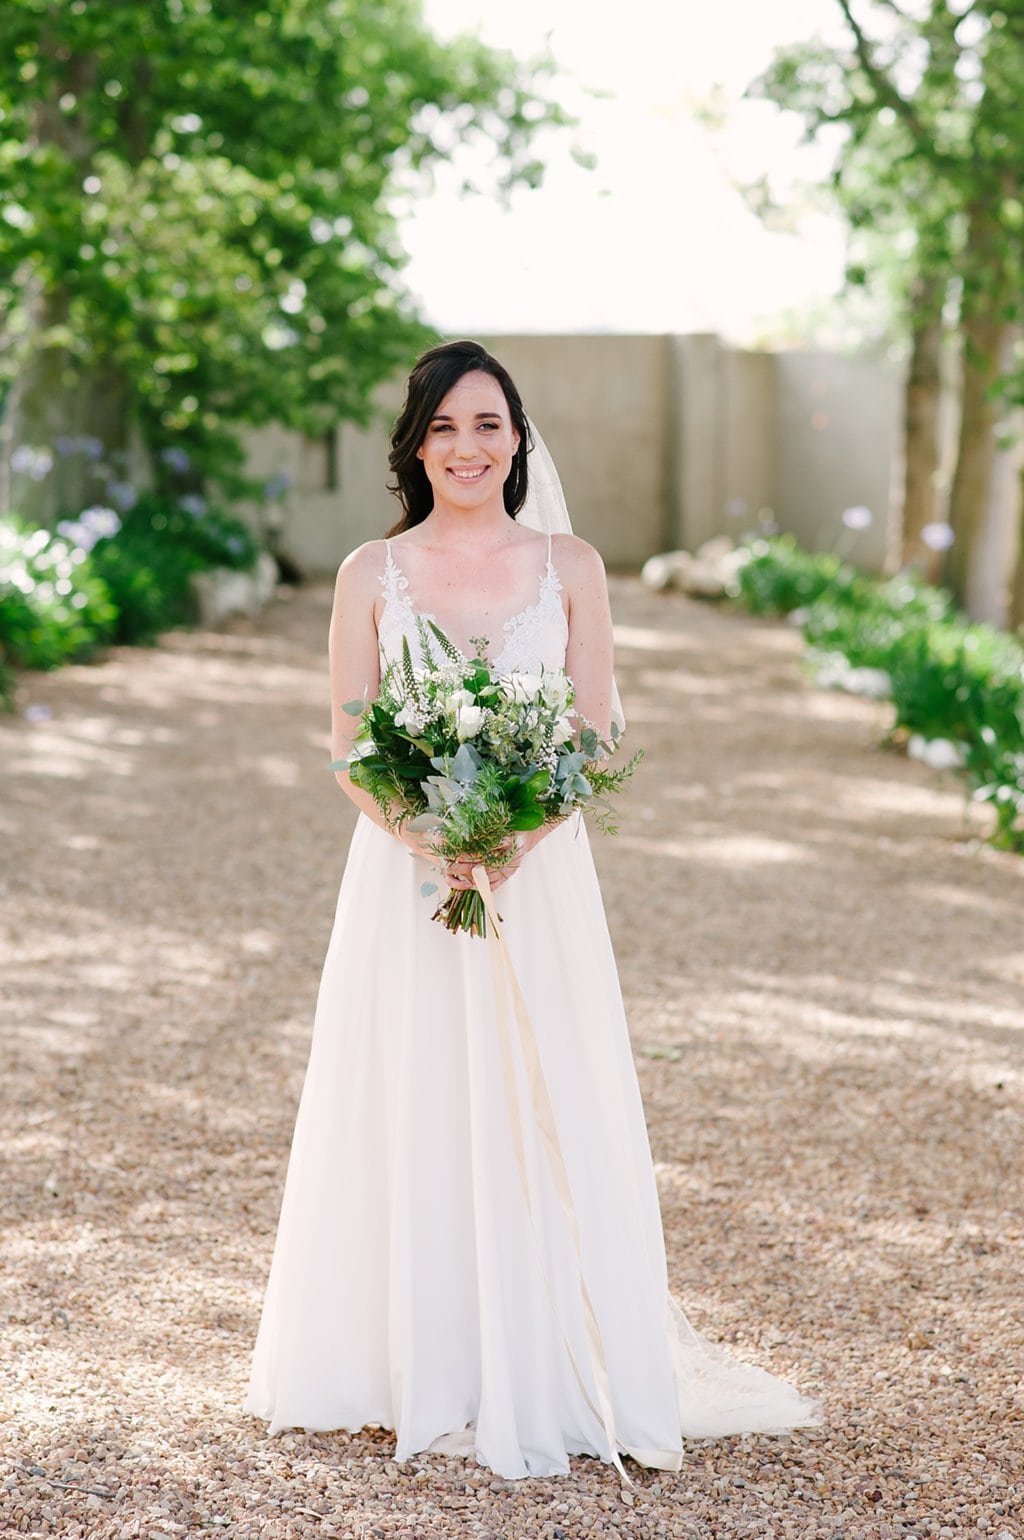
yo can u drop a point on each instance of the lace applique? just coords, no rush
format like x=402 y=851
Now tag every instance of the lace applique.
x=529 y=635
x=534 y=639
x=393 y=580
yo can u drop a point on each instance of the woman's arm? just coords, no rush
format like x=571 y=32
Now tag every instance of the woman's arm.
x=589 y=657
x=355 y=672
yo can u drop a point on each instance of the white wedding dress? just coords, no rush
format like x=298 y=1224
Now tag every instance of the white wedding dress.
x=407 y=1287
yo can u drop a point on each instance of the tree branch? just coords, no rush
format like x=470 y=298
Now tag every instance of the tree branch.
x=884 y=88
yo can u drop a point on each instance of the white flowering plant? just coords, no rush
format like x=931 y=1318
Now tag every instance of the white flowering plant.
x=473 y=758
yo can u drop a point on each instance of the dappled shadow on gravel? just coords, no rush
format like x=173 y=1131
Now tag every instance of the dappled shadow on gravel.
x=823 y=969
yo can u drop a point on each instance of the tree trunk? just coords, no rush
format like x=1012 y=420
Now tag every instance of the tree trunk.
x=987 y=339
x=66 y=422
x=987 y=336
x=1017 y=591
x=66 y=425
x=922 y=404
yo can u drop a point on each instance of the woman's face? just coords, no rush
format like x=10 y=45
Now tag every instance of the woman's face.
x=470 y=443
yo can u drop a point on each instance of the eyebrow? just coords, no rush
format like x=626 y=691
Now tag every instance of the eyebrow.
x=443 y=416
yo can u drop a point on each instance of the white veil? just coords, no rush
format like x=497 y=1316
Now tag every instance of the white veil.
x=546 y=509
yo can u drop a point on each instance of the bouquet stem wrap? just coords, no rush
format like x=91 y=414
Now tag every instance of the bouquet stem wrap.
x=507 y=991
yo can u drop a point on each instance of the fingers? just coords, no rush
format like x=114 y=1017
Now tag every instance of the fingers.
x=457 y=876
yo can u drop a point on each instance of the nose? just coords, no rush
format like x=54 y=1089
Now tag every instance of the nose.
x=465 y=443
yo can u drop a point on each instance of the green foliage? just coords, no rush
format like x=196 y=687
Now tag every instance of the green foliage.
x=958 y=681
x=779 y=576
x=54 y=604
x=149 y=563
x=923 y=104
x=100 y=579
x=198 y=199
x=997 y=774
x=866 y=621
x=949 y=679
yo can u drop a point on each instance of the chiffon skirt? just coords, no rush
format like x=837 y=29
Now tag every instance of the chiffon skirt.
x=413 y=1284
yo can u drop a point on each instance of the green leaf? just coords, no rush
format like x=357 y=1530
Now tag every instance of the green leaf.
x=426 y=888
x=528 y=818
x=355 y=708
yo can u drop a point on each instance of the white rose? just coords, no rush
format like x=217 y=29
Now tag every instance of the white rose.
x=561 y=732
x=468 y=721
x=459 y=699
x=523 y=688
x=556 y=691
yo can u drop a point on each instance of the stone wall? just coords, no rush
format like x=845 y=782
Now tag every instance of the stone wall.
x=660 y=441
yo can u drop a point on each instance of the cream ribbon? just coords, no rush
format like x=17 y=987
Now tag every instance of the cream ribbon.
x=506 y=988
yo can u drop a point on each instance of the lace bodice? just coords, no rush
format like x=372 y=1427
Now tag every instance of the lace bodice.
x=534 y=639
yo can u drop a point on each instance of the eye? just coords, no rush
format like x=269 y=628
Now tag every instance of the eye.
x=440 y=427
x=494 y=425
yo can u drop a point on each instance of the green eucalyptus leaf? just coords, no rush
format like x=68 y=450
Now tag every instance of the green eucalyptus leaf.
x=424 y=823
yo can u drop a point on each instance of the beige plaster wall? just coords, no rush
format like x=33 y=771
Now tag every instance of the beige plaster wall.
x=660 y=442
x=836 y=421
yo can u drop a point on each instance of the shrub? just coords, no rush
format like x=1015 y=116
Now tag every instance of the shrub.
x=778 y=577
x=949 y=678
x=54 y=605
x=867 y=621
x=952 y=680
x=996 y=774
x=102 y=577
x=148 y=563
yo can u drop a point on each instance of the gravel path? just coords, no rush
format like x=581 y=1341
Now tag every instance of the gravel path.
x=824 y=976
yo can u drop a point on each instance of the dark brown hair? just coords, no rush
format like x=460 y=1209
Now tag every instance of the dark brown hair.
x=430 y=381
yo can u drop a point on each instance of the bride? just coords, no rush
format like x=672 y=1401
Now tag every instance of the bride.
x=470 y=1249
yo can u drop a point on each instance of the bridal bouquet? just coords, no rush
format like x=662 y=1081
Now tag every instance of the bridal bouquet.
x=474 y=758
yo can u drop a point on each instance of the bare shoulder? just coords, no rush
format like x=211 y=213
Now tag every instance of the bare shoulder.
x=361 y=567
x=576 y=560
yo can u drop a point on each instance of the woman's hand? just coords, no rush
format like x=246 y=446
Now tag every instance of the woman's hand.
x=422 y=843
x=459 y=873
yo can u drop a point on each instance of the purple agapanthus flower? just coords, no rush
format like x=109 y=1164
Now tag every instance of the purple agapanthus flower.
x=937 y=537
x=176 y=458
x=77 y=534
x=192 y=504
x=123 y=494
x=278 y=485
x=29 y=460
x=103 y=522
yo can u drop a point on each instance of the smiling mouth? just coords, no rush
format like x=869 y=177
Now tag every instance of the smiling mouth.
x=474 y=475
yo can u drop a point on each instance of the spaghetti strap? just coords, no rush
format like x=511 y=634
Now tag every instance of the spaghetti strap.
x=392 y=579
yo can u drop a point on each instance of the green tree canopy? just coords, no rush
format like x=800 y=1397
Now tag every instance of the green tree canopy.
x=196 y=230
x=926 y=94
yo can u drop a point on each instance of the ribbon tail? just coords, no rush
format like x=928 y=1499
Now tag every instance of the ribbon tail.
x=507 y=988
